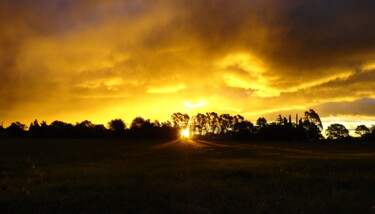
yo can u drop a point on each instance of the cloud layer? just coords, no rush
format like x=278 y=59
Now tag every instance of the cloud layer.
x=97 y=60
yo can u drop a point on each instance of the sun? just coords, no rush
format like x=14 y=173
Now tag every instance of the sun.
x=185 y=133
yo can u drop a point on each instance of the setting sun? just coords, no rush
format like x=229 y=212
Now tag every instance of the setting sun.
x=185 y=133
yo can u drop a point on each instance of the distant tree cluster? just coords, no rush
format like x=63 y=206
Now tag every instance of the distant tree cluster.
x=340 y=132
x=140 y=128
x=208 y=125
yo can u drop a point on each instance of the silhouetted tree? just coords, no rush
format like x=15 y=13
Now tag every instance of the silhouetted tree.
x=44 y=130
x=60 y=124
x=213 y=122
x=139 y=122
x=16 y=129
x=244 y=130
x=35 y=129
x=157 y=123
x=200 y=121
x=61 y=129
x=226 y=122
x=180 y=120
x=369 y=136
x=238 y=118
x=142 y=128
x=166 y=124
x=362 y=130
x=86 y=124
x=279 y=120
x=313 y=117
x=237 y=122
x=117 y=125
x=261 y=122
x=336 y=132
x=43 y=124
x=100 y=130
x=85 y=129
x=242 y=125
x=312 y=130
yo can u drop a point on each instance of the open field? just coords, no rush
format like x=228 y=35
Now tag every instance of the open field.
x=185 y=176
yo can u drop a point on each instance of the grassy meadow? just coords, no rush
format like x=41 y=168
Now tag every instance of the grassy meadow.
x=185 y=176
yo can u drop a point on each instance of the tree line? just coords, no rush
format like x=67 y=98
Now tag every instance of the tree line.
x=117 y=128
x=208 y=125
x=307 y=127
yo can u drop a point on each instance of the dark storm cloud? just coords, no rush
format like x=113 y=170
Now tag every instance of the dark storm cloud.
x=358 y=107
x=311 y=39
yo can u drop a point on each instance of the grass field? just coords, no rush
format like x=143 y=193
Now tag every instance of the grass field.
x=185 y=176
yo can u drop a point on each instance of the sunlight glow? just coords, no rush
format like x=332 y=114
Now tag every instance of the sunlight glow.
x=200 y=103
x=185 y=133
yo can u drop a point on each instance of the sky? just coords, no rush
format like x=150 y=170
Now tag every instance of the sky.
x=73 y=60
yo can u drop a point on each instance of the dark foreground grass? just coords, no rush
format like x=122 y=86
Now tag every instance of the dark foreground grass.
x=115 y=176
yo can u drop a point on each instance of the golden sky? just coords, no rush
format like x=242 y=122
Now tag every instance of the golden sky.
x=73 y=60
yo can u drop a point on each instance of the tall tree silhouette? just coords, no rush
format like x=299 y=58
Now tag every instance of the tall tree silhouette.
x=213 y=122
x=313 y=117
x=280 y=120
x=34 y=129
x=200 y=121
